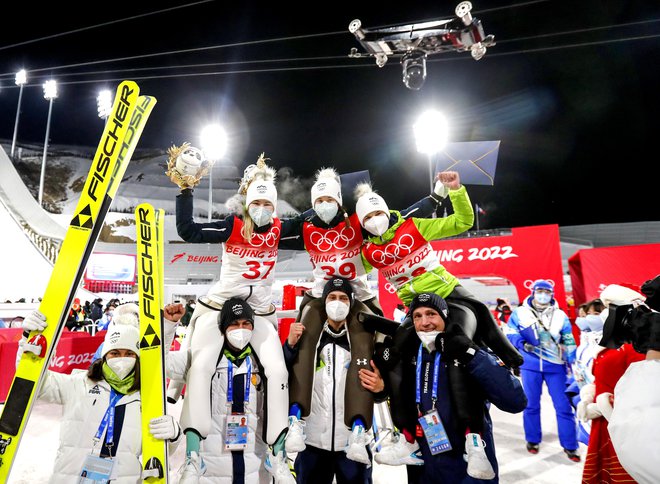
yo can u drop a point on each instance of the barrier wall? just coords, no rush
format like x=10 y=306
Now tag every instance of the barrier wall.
x=74 y=350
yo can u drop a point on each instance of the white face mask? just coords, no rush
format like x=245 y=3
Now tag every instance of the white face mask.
x=121 y=366
x=239 y=338
x=594 y=322
x=581 y=322
x=336 y=310
x=543 y=298
x=377 y=225
x=326 y=211
x=428 y=338
x=260 y=215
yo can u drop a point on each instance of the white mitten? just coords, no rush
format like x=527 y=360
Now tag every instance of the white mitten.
x=588 y=393
x=35 y=321
x=588 y=411
x=440 y=189
x=165 y=427
x=603 y=401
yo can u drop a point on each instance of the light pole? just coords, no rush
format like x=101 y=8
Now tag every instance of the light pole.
x=50 y=93
x=21 y=79
x=431 y=134
x=214 y=147
x=104 y=104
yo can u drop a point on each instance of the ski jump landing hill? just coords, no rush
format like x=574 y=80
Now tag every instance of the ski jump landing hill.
x=30 y=238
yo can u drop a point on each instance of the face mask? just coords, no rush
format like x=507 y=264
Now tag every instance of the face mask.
x=260 y=215
x=542 y=298
x=336 y=310
x=428 y=338
x=581 y=322
x=121 y=366
x=239 y=338
x=377 y=225
x=326 y=211
x=594 y=322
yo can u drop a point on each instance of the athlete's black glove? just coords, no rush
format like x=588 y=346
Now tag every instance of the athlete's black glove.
x=455 y=345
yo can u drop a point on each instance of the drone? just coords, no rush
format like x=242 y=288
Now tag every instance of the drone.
x=414 y=42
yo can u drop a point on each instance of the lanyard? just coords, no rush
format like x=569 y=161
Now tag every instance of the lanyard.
x=418 y=379
x=230 y=382
x=108 y=420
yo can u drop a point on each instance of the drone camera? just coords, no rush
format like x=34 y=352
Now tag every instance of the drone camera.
x=414 y=69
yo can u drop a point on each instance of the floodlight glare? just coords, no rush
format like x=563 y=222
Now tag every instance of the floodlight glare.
x=50 y=90
x=214 y=142
x=21 y=77
x=104 y=103
x=414 y=69
x=431 y=132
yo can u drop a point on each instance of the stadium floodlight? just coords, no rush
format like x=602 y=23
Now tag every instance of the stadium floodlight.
x=50 y=93
x=214 y=146
x=431 y=135
x=104 y=104
x=21 y=79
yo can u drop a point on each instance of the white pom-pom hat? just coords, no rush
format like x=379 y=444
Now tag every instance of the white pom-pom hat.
x=327 y=185
x=368 y=201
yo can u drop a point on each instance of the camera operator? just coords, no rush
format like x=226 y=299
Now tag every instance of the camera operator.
x=634 y=424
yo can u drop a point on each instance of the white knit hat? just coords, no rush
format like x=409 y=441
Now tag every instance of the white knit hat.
x=368 y=201
x=261 y=190
x=121 y=337
x=127 y=313
x=327 y=185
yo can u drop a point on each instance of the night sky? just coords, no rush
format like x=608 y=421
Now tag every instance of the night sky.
x=570 y=90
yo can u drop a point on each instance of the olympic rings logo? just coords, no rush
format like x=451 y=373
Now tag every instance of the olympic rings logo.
x=394 y=252
x=332 y=239
x=269 y=239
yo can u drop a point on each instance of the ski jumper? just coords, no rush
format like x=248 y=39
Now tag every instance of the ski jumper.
x=546 y=363
x=247 y=272
x=405 y=258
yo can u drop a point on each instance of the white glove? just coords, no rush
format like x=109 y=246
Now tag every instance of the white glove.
x=35 y=321
x=165 y=428
x=588 y=411
x=604 y=405
x=588 y=393
x=440 y=189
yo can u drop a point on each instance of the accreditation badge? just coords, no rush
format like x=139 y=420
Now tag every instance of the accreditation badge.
x=96 y=470
x=236 y=431
x=435 y=433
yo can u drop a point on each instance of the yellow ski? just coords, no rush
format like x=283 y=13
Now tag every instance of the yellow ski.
x=150 y=251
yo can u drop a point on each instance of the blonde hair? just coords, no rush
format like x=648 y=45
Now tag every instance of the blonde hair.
x=248 y=225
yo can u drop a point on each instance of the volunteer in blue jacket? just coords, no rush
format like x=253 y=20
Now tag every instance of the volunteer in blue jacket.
x=542 y=333
x=422 y=406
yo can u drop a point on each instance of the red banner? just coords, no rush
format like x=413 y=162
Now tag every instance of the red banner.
x=529 y=253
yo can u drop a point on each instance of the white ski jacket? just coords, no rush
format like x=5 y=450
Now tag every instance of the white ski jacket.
x=84 y=403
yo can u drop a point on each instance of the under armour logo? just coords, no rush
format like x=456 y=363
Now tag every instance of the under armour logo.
x=363 y=360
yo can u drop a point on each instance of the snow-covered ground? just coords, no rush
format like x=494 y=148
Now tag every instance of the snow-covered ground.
x=36 y=455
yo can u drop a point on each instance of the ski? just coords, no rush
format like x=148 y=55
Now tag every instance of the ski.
x=150 y=249
x=118 y=141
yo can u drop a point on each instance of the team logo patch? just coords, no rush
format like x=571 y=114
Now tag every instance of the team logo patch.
x=95 y=390
x=261 y=189
x=237 y=309
x=424 y=297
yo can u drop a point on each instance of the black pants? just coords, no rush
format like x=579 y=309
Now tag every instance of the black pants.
x=319 y=466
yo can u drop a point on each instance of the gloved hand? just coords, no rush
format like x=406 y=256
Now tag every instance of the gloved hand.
x=456 y=345
x=35 y=321
x=587 y=411
x=440 y=189
x=588 y=393
x=165 y=427
x=604 y=403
